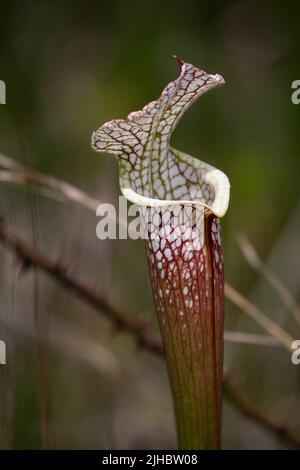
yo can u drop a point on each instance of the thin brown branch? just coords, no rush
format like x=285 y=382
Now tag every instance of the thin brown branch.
x=276 y=331
x=30 y=256
x=61 y=187
x=18 y=174
x=249 y=338
x=275 y=282
x=256 y=413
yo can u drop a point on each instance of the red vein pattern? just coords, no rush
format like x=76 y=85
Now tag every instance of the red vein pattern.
x=180 y=200
x=187 y=281
x=148 y=165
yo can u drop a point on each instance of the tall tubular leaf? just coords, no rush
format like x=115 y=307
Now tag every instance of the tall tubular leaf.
x=181 y=200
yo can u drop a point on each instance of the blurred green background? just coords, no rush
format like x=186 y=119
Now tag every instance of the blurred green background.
x=68 y=68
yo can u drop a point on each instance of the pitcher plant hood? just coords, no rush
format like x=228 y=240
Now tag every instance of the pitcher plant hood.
x=152 y=173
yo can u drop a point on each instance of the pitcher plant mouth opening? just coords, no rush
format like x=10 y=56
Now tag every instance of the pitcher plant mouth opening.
x=186 y=276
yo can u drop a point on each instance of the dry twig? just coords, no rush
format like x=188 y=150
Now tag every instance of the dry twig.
x=284 y=338
x=254 y=260
x=251 y=410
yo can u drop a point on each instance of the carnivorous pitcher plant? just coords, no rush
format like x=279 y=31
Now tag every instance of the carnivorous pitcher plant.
x=181 y=200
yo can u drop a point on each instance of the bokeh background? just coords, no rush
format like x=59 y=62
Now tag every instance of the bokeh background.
x=68 y=68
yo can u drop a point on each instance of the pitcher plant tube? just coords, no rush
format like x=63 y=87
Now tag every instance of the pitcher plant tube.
x=181 y=200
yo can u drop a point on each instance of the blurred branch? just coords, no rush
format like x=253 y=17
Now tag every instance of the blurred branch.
x=249 y=338
x=18 y=179
x=284 y=338
x=251 y=410
x=16 y=173
x=31 y=256
x=254 y=260
x=62 y=334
